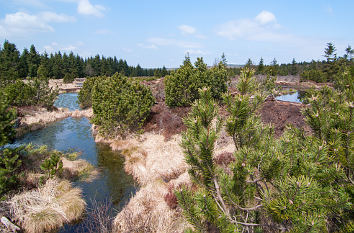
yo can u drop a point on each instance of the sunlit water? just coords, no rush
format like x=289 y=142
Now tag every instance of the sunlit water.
x=75 y=135
x=293 y=97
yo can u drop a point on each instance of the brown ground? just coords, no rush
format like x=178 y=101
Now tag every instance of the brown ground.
x=168 y=122
x=282 y=113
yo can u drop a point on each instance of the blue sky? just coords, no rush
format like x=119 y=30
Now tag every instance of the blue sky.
x=154 y=33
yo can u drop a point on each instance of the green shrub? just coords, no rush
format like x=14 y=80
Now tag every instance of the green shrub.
x=35 y=92
x=68 y=78
x=52 y=166
x=85 y=94
x=19 y=93
x=181 y=87
x=7 y=117
x=10 y=164
x=313 y=75
x=120 y=105
x=44 y=96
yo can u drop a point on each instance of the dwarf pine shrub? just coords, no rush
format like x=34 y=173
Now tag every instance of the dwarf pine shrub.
x=120 y=105
x=181 y=87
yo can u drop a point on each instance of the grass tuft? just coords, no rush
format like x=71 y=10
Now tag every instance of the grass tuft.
x=48 y=207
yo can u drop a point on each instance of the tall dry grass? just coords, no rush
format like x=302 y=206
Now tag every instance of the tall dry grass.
x=48 y=207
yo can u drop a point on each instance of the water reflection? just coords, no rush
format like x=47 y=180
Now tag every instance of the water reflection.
x=67 y=100
x=297 y=97
x=75 y=134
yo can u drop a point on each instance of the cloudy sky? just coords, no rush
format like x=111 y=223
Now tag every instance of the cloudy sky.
x=154 y=33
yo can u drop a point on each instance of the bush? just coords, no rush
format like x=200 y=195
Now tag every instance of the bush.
x=35 y=92
x=19 y=93
x=85 y=94
x=68 y=78
x=7 y=117
x=10 y=164
x=120 y=105
x=313 y=75
x=181 y=87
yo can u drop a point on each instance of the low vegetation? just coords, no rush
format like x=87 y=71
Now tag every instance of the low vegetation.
x=48 y=207
x=85 y=94
x=297 y=183
x=181 y=87
x=120 y=105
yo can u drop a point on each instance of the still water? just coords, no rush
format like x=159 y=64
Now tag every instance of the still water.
x=75 y=135
x=293 y=97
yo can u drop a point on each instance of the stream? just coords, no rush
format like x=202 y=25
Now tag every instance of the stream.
x=112 y=185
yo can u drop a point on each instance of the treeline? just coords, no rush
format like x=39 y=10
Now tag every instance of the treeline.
x=318 y=71
x=16 y=65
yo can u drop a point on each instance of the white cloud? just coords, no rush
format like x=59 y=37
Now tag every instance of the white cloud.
x=84 y=7
x=186 y=29
x=21 y=23
x=265 y=17
x=31 y=3
x=48 y=16
x=159 y=41
x=147 y=46
x=195 y=52
x=55 y=47
x=261 y=28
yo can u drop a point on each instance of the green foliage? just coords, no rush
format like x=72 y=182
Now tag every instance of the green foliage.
x=52 y=166
x=42 y=72
x=297 y=183
x=313 y=75
x=9 y=59
x=85 y=94
x=44 y=96
x=120 y=105
x=34 y=92
x=19 y=93
x=10 y=166
x=68 y=78
x=242 y=124
x=7 y=117
x=199 y=139
x=181 y=87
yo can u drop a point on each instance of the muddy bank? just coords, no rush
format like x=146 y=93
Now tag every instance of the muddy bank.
x=35 y=118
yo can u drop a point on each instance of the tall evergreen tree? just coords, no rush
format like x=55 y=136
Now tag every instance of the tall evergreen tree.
x=9 y=62
x=23 y=64
x=33 y=61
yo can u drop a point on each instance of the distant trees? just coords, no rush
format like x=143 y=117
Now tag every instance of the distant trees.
x=328 y=70
x=9 y=62
x=58 y=65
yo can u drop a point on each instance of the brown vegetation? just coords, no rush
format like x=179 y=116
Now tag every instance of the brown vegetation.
x=48 y=207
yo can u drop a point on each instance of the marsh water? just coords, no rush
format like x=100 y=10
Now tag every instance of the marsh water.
x=296 y=97
x=71 y=134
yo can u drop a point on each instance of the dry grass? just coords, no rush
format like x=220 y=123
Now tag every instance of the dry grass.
x=47 y=207
x=156 y=164
x=99 y=217
x=78 y=169
x=148 y=212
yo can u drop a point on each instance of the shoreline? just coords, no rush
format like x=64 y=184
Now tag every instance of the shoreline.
x=38 y=118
